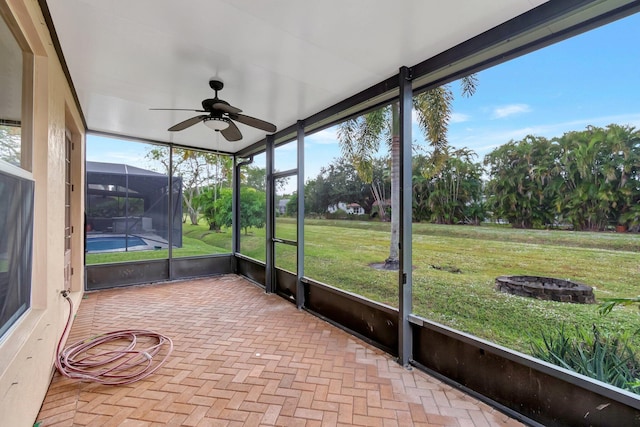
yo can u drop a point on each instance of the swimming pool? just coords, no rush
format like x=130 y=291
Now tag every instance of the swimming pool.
x=114 y=243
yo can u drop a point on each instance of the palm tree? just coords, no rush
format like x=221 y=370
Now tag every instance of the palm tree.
x=625 y=155
x=455 y=188
x=360 y=141
x=524 y=181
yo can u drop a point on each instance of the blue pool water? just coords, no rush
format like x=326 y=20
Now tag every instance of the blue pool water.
x=113 y=242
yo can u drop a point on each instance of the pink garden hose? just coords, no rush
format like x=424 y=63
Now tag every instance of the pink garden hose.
x=125 y=365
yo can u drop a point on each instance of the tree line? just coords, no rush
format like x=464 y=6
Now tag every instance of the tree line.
x=586 y=180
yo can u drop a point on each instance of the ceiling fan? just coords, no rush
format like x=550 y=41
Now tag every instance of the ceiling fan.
x=220 y=116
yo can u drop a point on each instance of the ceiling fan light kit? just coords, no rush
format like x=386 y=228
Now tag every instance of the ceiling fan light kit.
x=220 y=116
x=216 y=123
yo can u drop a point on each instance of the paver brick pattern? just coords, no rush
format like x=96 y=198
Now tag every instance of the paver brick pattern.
x=243 y=357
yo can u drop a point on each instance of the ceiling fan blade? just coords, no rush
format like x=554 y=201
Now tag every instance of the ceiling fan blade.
x=226 y=108
x=177 y=109
x=187 y=123
x=232 y=133
x=253 y=122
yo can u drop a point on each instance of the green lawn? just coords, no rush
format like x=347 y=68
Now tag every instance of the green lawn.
x=339 y=253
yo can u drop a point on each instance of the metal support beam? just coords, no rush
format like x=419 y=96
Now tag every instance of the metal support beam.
x=235 y=203
x=270 y=220
x=170 y=211
x=300 y=218
x=405 y=291
x=235 y=214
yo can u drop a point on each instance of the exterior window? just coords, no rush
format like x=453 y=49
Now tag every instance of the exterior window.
x=16 y=188
x=16 y=230
x=11 y=100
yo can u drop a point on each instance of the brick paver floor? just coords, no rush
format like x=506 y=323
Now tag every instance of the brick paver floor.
x=243 y=357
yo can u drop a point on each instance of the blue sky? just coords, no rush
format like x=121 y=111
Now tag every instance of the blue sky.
x=591 y=79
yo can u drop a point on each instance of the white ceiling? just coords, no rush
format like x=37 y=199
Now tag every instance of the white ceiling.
x=280 y=60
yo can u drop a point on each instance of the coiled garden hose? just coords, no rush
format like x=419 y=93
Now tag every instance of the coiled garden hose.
x=85 y=361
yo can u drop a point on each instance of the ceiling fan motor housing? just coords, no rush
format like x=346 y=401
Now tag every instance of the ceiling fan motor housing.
x=207 y=105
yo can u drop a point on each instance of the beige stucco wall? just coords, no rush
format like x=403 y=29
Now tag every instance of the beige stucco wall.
x=27 y=351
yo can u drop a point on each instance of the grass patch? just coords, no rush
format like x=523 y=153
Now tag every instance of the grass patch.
x=579 y=239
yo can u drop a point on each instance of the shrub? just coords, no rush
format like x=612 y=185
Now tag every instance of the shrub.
x=609 y=359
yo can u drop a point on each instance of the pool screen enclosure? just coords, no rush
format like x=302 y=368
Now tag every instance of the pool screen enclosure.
x=127 y=205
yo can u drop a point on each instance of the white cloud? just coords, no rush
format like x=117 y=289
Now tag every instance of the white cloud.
x=631 y=119
x=510 y=110
x=551 y=130
x=324 y=137
x=459 y=118
x=483 y=141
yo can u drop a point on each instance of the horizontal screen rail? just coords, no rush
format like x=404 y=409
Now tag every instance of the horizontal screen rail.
x=285 y=241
